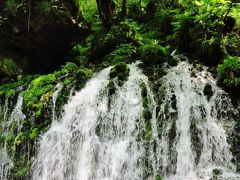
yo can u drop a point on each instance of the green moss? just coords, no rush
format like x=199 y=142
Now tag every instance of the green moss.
x=120 y=70
x=19 y=139
x=84 y=73
x=44 y=80
x=123 y=53
x=10 y=89
x=38 y=109
x=158 y=177
x=21 y=173
x=21 y=168
x=69 y=67
x=32 y=95
x=153 y=53
x=9 y=67
x=68 y=81
x=34 y=133
x=111 y=87
x=9 y=139
x=144 y=90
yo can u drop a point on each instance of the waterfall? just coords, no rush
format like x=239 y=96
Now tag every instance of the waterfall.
x=5 y=163
x=58 y=88
x=193 y=142
x=15 y=117
x=96 y=138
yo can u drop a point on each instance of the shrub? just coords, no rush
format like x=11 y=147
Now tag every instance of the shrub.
x=229 y=71
x=123 y=53
x=153 y=53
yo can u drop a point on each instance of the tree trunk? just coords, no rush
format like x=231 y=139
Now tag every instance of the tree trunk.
x=124 y=8
x=106 y=10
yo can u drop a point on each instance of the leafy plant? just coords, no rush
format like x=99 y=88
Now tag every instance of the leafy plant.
x=229 y=71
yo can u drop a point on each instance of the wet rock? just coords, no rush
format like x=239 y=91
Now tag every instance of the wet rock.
x=172 y=61
x=174 y=102
x=120 y=70
x=46 y=39
x=9 y=68
x=208 y=91
x=217 y=172
x=111 y=87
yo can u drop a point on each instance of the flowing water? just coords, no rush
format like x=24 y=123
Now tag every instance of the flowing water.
x=193 y=143
x=15 y=117
x=104 y=135
x=58 y=88
x=96 y=136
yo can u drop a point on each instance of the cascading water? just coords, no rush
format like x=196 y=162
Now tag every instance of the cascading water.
x=58 y=88
x=96 y=138
x=105 y=136
x=193 y=143
x=5 y=163
x=16 y=117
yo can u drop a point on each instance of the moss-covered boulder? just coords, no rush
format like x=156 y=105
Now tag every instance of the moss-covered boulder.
x=120 y=71
x=9 y=68
x=153 y=53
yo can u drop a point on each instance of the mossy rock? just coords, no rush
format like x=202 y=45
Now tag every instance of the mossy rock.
x=153 y=53
x=217 y=172
x=111 y=87
x=69 y=67
x=120 y=71
x=9 y=68
x=158 y=177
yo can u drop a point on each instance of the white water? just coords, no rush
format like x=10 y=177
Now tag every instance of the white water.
x=58 y=89
x=16 y=117
x=96 y=136
x=5 y=163
x=177 y=156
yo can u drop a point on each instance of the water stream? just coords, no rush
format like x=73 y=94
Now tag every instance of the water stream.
x=104 y=135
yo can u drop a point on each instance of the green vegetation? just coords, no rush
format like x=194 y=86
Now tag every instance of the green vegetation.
x=229 y=71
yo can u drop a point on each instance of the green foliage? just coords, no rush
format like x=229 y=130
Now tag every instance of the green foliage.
x=45 y=6
x=88 y=8
x=80 y=53
x=69 y=68
x=229 y=71
x=199 y=26
x=153 y=53
x=11 y=6
x=232 y=43
x=123 y=53
x=235 y=13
